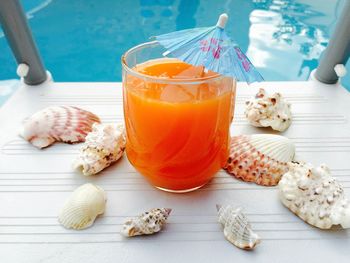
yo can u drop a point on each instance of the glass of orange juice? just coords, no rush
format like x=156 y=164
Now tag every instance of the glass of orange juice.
x=177 y=118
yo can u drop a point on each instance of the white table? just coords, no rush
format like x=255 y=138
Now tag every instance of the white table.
x=34 y=184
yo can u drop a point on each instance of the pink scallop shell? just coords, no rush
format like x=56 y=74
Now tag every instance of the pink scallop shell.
x=58 y=123
x=249 y=164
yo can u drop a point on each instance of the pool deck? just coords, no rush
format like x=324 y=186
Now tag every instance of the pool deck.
x=35 y=183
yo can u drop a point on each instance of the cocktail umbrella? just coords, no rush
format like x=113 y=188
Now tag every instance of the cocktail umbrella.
x=211 y=48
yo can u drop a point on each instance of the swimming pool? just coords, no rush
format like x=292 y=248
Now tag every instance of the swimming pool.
x=83 y=40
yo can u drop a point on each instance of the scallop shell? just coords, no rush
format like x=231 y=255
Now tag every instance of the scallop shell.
x=268 y=111
x=103 y=146
x=147 y=223
x=237 y=229
x=259 y=158
x=58 y=123
x=82 y=207
x=315 y=196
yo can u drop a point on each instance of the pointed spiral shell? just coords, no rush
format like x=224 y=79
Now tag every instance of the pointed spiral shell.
x=147 y=223
x=237 y=229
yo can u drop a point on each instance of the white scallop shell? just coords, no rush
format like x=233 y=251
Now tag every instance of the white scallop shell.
x=237 y=229
x=147 y=223
x=82 y=207
x=103 y=146
x=259 y=158
x=315 y=196
x=269 y=111
x=58 y=123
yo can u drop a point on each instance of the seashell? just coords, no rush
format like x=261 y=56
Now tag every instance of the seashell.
x=58 y=123
x=82 y=207
x=268 y=111
x=104 y=145
x=146 y=224
x=259 y=158
x=315 y=196
x=237 y=229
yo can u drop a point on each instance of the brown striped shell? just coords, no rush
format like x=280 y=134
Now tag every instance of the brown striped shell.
x=259 y=158
x=58 y=123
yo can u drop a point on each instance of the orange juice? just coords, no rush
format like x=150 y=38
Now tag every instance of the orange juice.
x=177 y=133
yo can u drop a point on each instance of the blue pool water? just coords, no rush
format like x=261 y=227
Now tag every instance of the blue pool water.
x=83 y=40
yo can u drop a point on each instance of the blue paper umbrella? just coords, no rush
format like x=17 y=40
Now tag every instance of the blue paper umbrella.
x=212 y=48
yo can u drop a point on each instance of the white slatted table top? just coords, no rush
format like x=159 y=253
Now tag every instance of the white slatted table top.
x=35 y=183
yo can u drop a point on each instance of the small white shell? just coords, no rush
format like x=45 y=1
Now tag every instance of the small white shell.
x=103 y=146
x=259 y=158
x=147 y=223
x=264 y=111
x=237 y=229
x=82 y=207
x=58 y=123
x=315 y=196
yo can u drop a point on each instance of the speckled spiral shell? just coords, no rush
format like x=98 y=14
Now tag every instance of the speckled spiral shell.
x=82 y=207
x=237 y=229
x=266 y=110
x=259 y=158
x=315 y=196
x=147 y=223
x=104 y=145
x=58 y=123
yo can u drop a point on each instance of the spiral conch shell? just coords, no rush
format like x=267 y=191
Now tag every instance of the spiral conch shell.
x=264 y=111
x=315 y=196
x=103 y=146
x=259 y=158
x=237 y=229
x=83 y=206
x=58 y=123
x=147 y=223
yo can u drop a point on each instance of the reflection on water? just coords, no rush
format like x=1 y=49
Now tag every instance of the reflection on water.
x=33 y=7
x=284 y=38
x=158 y=14
x=40 y=6
x=185 y=18
x=287 y=37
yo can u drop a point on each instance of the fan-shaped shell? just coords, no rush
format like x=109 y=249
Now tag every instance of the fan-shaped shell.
x=103 y=146
x=259 y=158
x=237 y=229
x=82 y=207
x=58 y=123
x=266 y=110
x=147 y=223
x=315 y=196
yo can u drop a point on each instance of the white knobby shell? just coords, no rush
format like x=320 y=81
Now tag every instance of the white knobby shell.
x=104 y=145
x=315 y=196
x=237 y=229
x=260 y=158
x=83 y=206
x=269 y=111
x=58 y=123
x=147 y=223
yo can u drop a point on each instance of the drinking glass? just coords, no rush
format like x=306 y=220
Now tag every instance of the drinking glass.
x=177 y=118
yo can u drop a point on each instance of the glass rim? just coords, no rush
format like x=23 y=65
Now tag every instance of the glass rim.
x=162 y=80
